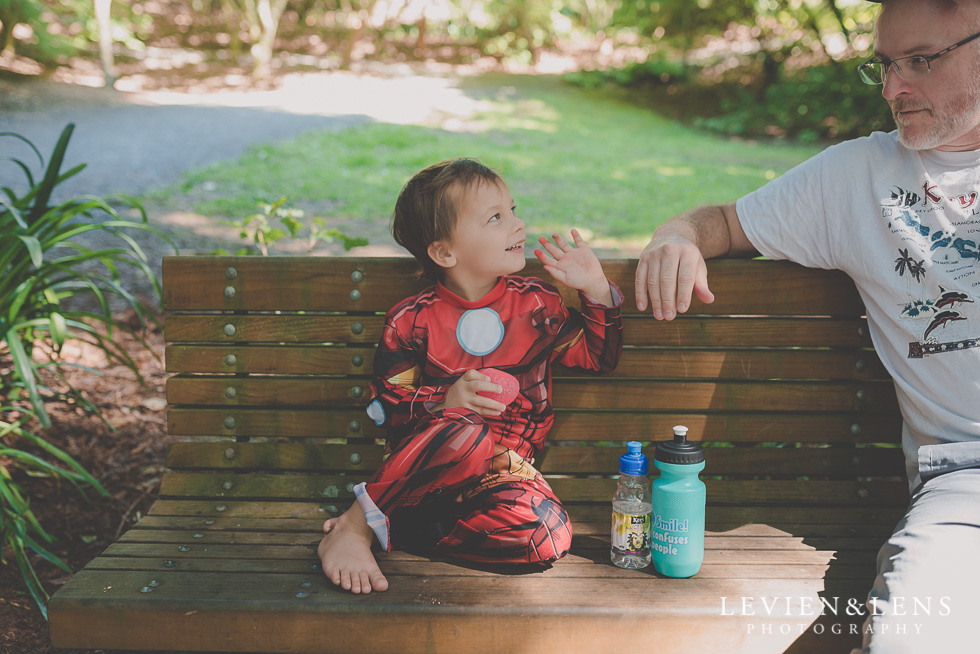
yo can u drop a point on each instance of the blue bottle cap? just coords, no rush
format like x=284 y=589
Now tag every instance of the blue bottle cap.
x=634 y=462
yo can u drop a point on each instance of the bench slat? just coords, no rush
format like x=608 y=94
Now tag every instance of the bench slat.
x=536 y=596
x=270 y=545
x=569 y=425
x=686 y=331
x=635 y=362
x=545 y=613
x=336 y=487
x=311 y=457
x=321 y=284
x=719 y=562
x=587 y=520
x=589 y=553
x=568 y=393
x=767 y=566
x=717 y=516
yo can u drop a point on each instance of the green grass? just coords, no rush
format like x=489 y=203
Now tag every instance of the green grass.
x=571 y=157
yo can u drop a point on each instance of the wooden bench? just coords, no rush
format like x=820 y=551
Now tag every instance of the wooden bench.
x=272 y=360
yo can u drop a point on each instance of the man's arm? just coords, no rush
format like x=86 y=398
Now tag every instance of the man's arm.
x=672 y=267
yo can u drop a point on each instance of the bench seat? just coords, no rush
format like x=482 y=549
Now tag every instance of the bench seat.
x=272 y=364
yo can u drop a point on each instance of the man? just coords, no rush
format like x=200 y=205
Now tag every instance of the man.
x=900 y=214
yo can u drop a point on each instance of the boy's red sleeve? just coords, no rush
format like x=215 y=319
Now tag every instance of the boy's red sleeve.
x=398 y=398
x=592 y=339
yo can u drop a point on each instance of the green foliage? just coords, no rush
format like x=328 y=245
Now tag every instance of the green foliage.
x=259 y=229
x=572 y=159
x=518 y=30
x=46 y=277
x=44 y=47
x=65 y=28
x=653 y=72
x=681 y=22
x=813 y=103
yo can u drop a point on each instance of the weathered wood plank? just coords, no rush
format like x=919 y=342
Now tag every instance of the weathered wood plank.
x=587 y=520
x=685 y=331
x=262 y=328
x=325 y=284
x=838 y=462
x=594 y=559
x=567 y=394
x=718 y=517
x=320 y=487
x=332 y=423
x=581 y=562
x=748 y=426
x=393 y=568
x=569 y=425
x=263 y=613
x=270 y=359
x=649 y=363
x=268 y=544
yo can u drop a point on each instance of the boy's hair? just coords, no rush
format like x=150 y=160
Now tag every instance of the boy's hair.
x=428 y=206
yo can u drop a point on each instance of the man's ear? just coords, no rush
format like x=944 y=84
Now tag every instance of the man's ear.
x=441 y=253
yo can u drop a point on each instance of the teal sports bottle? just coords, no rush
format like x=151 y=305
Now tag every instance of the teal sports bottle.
x=678 y=507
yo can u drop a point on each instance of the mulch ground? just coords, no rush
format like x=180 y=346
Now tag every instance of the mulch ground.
x=129 y=462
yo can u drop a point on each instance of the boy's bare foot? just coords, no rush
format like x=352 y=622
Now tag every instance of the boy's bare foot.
x=345 y=553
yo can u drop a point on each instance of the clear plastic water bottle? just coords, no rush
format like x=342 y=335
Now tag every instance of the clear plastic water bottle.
x=630 y=542
x=678 y=507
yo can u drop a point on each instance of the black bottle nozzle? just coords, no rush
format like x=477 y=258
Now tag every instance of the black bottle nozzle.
x=679 y=450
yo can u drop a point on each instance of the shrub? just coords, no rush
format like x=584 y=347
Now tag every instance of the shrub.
x=259 y=229
x=53 y=288
x=650 y=73
x=820 y=102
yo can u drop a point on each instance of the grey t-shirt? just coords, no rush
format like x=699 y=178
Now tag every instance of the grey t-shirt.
x=905 y=226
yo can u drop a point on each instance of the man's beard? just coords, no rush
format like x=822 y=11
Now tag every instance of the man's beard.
x=960 y=115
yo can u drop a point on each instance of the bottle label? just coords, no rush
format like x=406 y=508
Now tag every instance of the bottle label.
x=630 y=533
x=668 y=534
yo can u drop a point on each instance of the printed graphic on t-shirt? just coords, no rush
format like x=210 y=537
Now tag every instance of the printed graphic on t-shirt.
x=938 y=261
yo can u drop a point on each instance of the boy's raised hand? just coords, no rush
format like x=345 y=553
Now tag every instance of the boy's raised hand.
x=576 y=267
x=465 y=394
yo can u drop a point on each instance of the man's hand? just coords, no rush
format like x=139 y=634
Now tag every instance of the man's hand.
x=465 y=394
x=670 y=270
x=576 y=267
x=671 y=267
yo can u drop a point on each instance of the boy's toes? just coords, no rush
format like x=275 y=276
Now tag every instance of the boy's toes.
x=364 y=583
x=329 y=525
x=378 y=581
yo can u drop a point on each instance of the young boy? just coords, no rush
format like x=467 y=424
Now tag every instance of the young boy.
x=459 y=480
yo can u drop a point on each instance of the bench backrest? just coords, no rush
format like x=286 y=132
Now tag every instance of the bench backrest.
x=273 y=360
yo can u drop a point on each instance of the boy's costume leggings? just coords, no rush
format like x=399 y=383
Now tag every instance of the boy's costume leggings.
x=450 y=488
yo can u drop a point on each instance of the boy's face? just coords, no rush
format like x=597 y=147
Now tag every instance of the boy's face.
x=488 y=240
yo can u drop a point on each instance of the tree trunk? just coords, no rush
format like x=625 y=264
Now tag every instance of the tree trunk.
x=420 y=45
x=233 y=22
x=6 y=26
x=268 y=14
x=840 y=20
x=102 y=17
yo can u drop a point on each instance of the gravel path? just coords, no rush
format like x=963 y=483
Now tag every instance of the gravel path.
x=133 y=142
x=132 y=148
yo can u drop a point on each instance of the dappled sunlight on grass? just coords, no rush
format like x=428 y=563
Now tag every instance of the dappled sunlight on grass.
x=532 y=115
x=572 y=158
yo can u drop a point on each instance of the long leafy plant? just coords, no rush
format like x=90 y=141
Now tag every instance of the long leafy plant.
x=54 y=288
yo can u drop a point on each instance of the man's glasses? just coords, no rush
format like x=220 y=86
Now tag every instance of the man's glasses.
x=873 y=71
